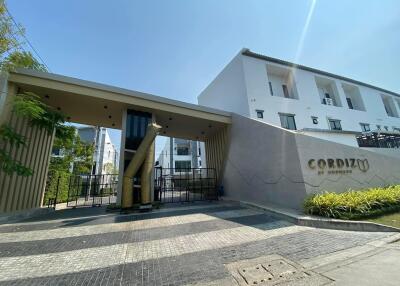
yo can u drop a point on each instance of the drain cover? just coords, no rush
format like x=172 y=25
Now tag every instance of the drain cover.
x=273 y=270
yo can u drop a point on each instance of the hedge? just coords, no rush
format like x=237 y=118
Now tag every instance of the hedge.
x=51 y=188
x=354 y=204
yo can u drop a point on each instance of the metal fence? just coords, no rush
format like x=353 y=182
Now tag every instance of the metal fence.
x=185 y=185
x=92 y=190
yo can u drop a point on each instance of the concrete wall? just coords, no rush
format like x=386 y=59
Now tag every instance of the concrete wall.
x=262 y=164
x=227 y=91
x=19 y=193
x=383 y=169
x=270 y=165
x=342 y=138
x=391 y=152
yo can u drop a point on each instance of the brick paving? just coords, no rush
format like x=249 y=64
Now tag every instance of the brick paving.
x=173 y=246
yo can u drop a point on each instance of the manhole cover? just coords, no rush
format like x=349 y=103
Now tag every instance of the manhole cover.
x=273 y=270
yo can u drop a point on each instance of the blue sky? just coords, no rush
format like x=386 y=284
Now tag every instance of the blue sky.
x=175 y=48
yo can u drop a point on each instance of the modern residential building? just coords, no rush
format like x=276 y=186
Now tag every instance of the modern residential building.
x=180 y=155
x=105 y=157
x=308 y=100
x=274 y=133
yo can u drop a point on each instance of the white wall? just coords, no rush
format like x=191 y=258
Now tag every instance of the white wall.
x=308 y=104
x=227 y=90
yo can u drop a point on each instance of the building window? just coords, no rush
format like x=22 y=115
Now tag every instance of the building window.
x=270 y=88
x=314 y=119
x=182 y=166
x=335 y=124
x=365 y=127
x=287 y=121
x=349 y=103
x=260 y=113
x=199 y=163
x=182 y=150
x=285 y=91
x=389 y=105
x=199 y=151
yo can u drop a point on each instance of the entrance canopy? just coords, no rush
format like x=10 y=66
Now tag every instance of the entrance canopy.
x=103 y=105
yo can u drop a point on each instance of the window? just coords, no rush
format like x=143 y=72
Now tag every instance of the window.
x=365 y=127
x=287 y=121
x=389 y=105
x=314 y=119
x=260 y=113
x=182 y=150
x=335 y=124
x=285 y=91
x=349 y=103
x=328 y=91
x=270 y=88
x=199 y=151
x=182 y=166
x=199 y=163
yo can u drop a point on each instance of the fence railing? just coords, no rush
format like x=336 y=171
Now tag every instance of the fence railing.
x=92 y=190
x=185 y=184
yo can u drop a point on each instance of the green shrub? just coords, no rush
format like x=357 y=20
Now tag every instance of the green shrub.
x=354 y=204
x=51 y=188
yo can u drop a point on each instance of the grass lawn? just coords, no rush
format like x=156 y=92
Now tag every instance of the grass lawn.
x=389 y=219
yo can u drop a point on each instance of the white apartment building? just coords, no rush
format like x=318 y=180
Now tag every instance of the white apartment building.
x=314 y=102
x=180 y=155
x=105 y=157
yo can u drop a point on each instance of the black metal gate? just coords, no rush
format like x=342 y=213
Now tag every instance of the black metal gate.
x=174 y=185
x=92 y=190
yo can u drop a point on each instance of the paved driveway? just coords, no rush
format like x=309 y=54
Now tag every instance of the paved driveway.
x=187 y=244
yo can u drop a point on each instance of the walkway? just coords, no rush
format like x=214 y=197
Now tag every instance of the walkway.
x=184 y=245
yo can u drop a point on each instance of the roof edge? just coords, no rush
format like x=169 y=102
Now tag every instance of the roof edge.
x=247 y=52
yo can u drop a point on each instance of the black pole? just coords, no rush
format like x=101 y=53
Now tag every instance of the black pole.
x=58 y=184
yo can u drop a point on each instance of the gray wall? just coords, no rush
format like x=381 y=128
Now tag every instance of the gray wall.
x=269 y=165
x=262 y=164
x=383 y=169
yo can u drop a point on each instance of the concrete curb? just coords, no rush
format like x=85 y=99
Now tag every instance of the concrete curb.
x=17 y=216
x=318 y=222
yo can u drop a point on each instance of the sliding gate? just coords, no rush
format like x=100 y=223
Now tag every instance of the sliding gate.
x=174 y=185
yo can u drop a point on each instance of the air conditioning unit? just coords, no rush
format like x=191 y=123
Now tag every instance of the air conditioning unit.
x=328 y=101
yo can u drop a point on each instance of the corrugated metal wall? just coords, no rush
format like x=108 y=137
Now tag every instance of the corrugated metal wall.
x=216 y=147
x=23 y=193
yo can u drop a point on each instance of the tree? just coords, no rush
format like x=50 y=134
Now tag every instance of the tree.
x=26 y=104
x=75 y=153
x=76 y=158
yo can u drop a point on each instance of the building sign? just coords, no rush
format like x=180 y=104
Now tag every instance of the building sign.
x=338 y=166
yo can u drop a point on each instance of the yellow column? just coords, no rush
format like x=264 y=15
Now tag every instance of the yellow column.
x=136 y=162
x=146 y=177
